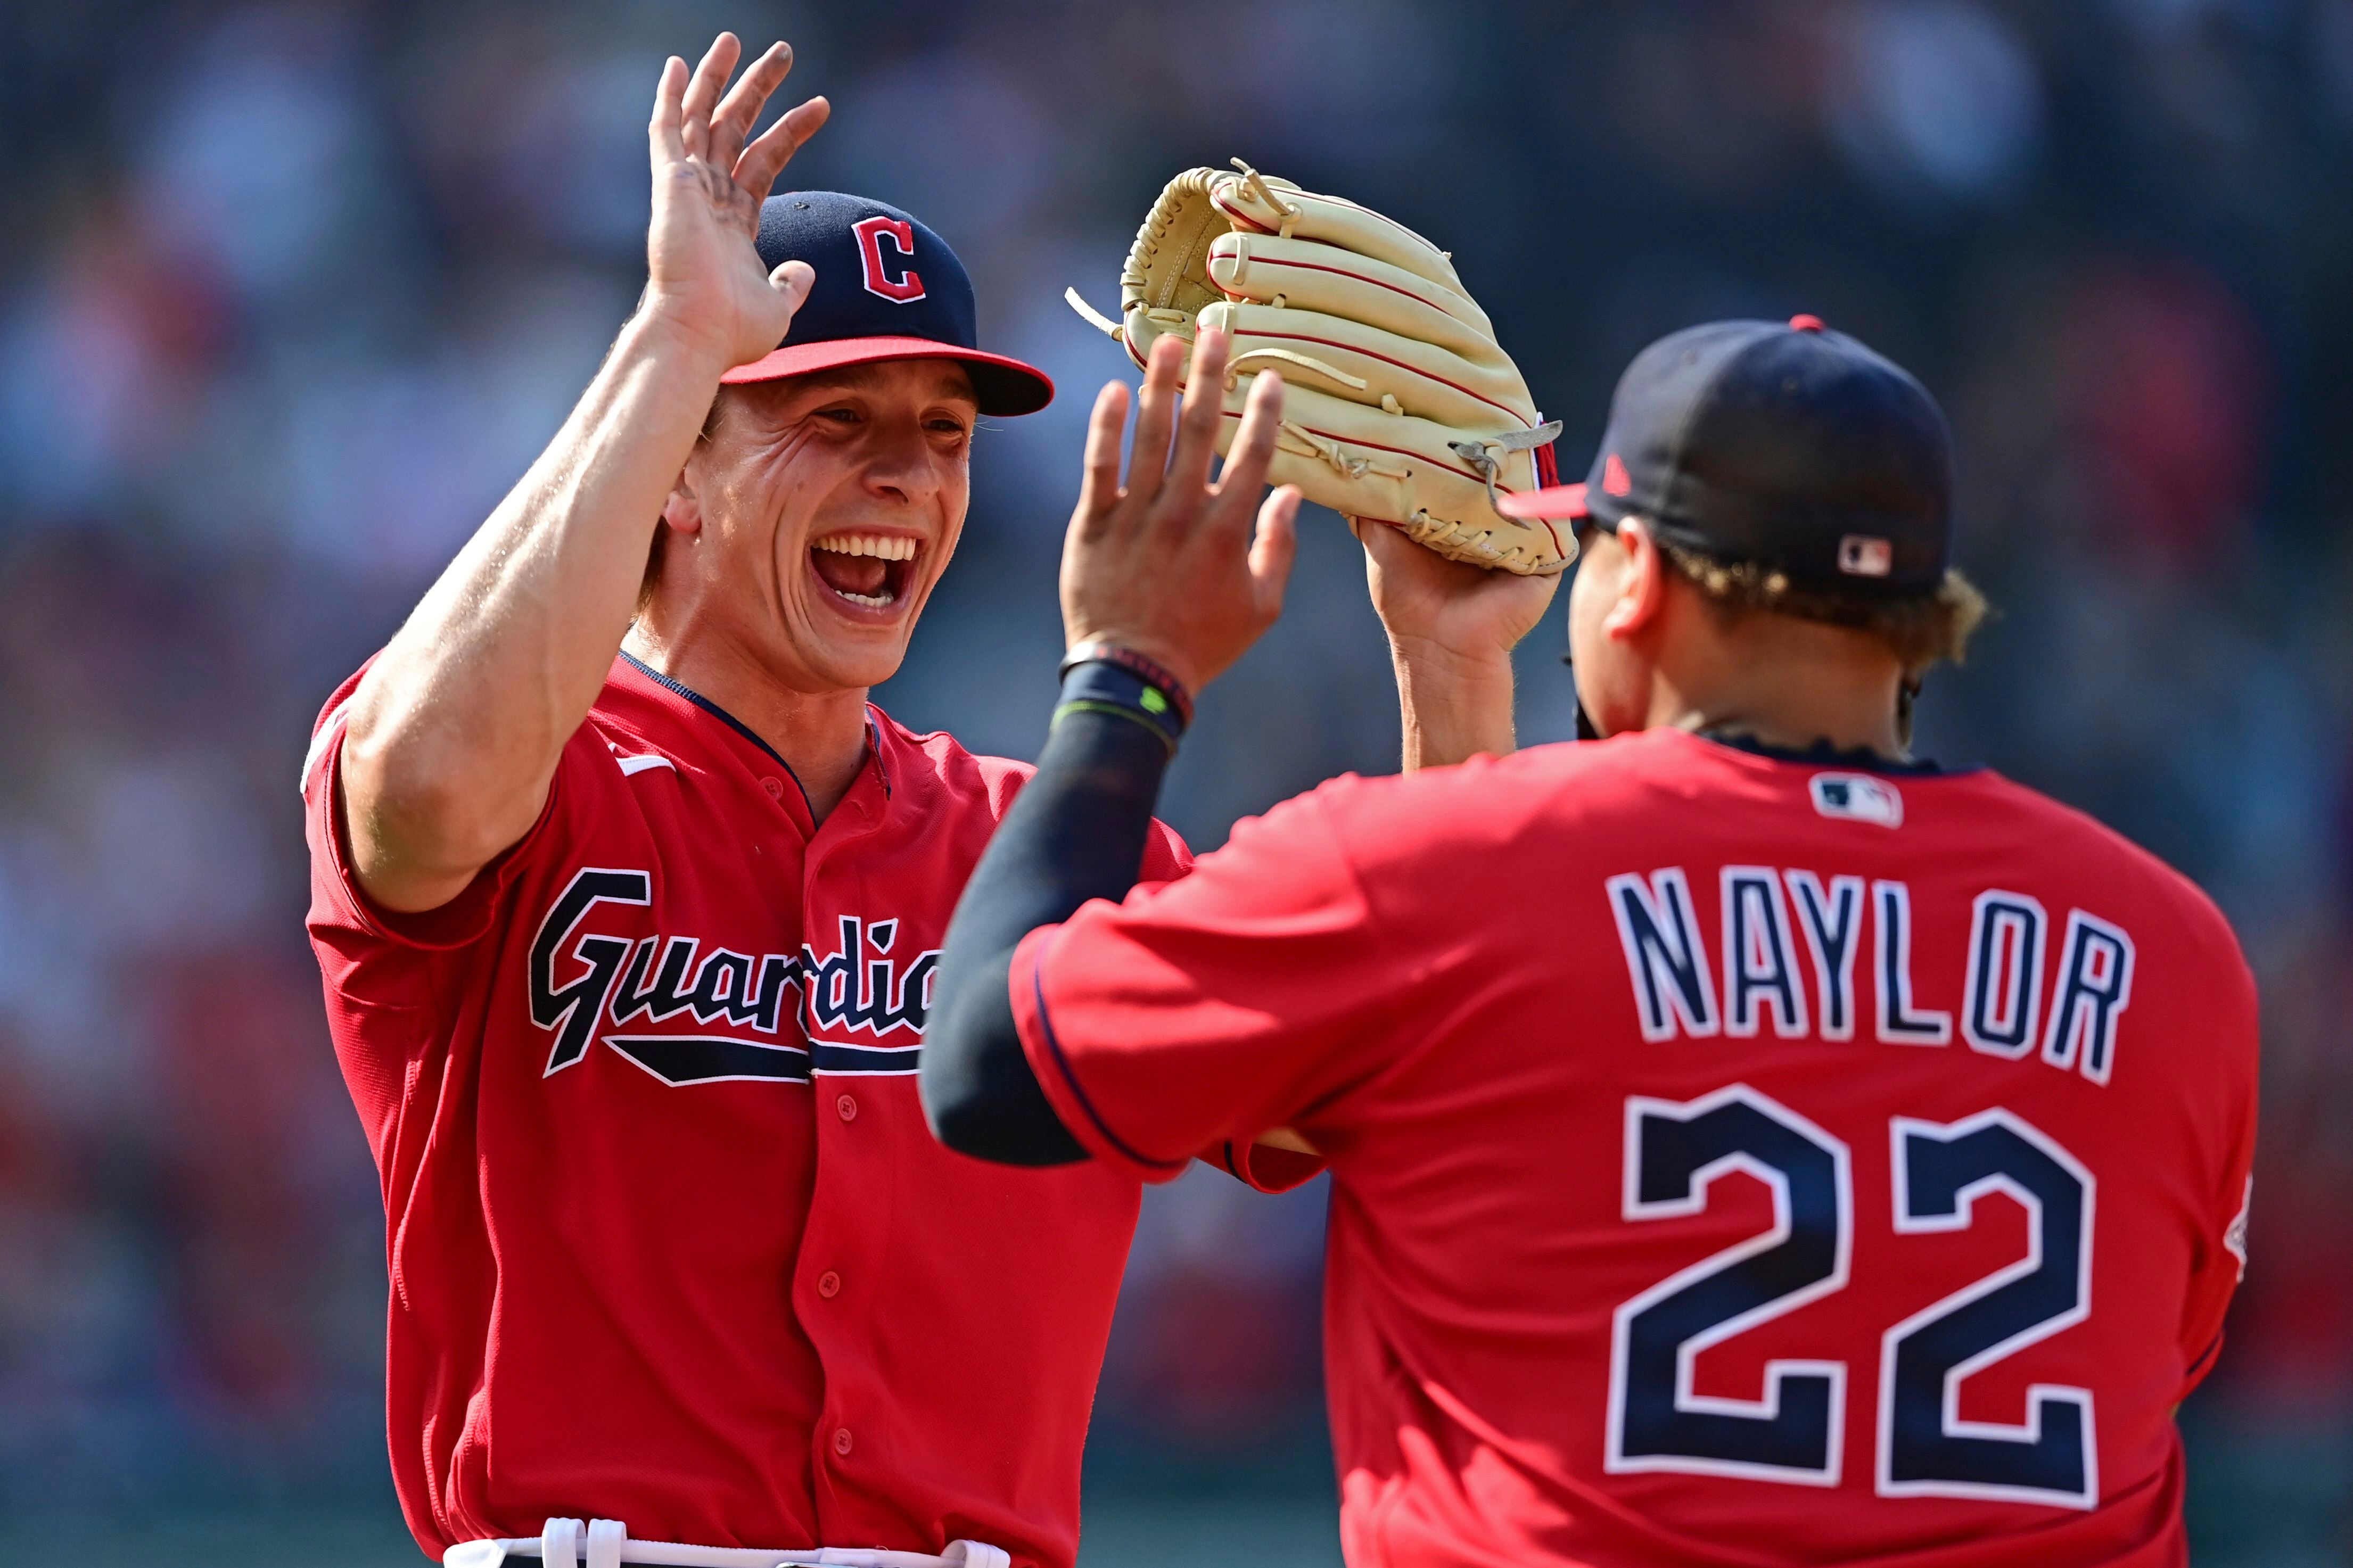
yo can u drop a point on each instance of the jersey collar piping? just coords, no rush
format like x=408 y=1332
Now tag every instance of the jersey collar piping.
x=724 y=716
x=874 y=717
x=1823 y=755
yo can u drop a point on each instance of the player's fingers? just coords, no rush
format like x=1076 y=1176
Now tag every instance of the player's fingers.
x=1253 y=448
x=1204 y=405
x=764 y=159
x=792 y=280
x=732 y=121
x=1099 y=484
x=752 y=87
x=1156 y=411
x=702 y=93
x=1273 y=548
x=1385 y=545
x=662 y=130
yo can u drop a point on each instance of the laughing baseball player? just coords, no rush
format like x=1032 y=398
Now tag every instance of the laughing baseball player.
x=629 y=905
x=1751 y=1145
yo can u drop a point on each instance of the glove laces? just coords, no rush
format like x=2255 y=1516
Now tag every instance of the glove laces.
x=1481 y=455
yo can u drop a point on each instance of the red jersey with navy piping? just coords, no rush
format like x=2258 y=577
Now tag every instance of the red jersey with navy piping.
x=668 y=1240
x=1736 y=1160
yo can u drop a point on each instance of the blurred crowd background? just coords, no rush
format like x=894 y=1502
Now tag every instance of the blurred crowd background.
x=290 y=294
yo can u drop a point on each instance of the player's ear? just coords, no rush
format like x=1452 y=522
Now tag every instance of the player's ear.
x=683 y=509
x=1641 y=581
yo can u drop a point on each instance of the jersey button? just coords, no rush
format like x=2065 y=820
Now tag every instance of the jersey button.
x=776 y=788
x=828 y=1285
x=848 y=1106
x=841 y=1441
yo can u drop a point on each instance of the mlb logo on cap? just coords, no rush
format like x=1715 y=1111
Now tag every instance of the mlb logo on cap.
x=887 y=288
x=1859 y=556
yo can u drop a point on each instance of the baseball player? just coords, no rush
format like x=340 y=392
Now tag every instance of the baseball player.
x=628 y=906
x=1751 y=1144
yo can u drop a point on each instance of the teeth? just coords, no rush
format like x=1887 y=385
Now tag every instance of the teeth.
x=889 y=547
x=873 y=601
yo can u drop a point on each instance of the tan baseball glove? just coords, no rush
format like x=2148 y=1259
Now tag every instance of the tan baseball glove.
x=1400 y=404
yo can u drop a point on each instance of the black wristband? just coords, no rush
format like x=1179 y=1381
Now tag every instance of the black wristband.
x=1135 y=663
x=1103 y=686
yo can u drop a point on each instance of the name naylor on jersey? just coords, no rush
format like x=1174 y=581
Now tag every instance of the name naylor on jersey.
x=582 y=979
x=1787 y=944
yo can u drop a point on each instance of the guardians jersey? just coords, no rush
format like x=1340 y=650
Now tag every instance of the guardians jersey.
x=1737 y=1159
x=669 y=1241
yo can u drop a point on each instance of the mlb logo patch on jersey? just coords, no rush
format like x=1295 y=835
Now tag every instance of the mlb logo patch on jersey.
x=1857 y=797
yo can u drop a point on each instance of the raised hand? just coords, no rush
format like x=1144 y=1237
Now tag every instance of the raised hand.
x=1452 y=630
x=1170 y=565
x=707 y=283
x=1434 y=608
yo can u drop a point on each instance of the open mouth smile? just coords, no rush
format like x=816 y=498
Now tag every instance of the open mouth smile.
x=870 y=570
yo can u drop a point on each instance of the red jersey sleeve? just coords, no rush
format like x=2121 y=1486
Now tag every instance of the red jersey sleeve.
x=340 y=907
x=2220 y=1259
x=1167 y=857
x=1203 y=1012
x=1263 y=1167
x=387 y=973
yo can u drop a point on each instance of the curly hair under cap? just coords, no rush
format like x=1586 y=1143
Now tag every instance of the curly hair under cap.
x=1921 y=629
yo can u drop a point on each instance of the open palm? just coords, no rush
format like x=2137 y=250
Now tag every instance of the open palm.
x=706 y=278
x=1168 y=564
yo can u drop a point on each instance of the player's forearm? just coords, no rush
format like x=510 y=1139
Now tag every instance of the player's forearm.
x=1451 y=708
x=456 y=730
x=1076 y=832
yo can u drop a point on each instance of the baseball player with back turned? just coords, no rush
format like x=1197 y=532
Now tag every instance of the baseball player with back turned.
x=1751 y=1145
x=629 y=905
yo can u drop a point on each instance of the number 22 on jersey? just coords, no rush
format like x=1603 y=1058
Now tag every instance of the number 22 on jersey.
x=1657 y=1421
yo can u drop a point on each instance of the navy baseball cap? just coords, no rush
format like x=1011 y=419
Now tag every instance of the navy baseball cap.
x=1789 y=445
x=887 y=288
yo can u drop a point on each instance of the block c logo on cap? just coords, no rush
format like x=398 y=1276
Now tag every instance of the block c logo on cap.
x=907 y=286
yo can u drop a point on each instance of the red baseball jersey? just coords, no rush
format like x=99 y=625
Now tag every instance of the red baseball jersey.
x=1736 y=1160
x=669 y=1242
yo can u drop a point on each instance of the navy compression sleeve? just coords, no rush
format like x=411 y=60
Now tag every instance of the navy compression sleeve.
x=1076 y=832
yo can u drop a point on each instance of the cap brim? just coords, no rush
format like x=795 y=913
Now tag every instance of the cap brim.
x=1557 y=502
x=1005 y=386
